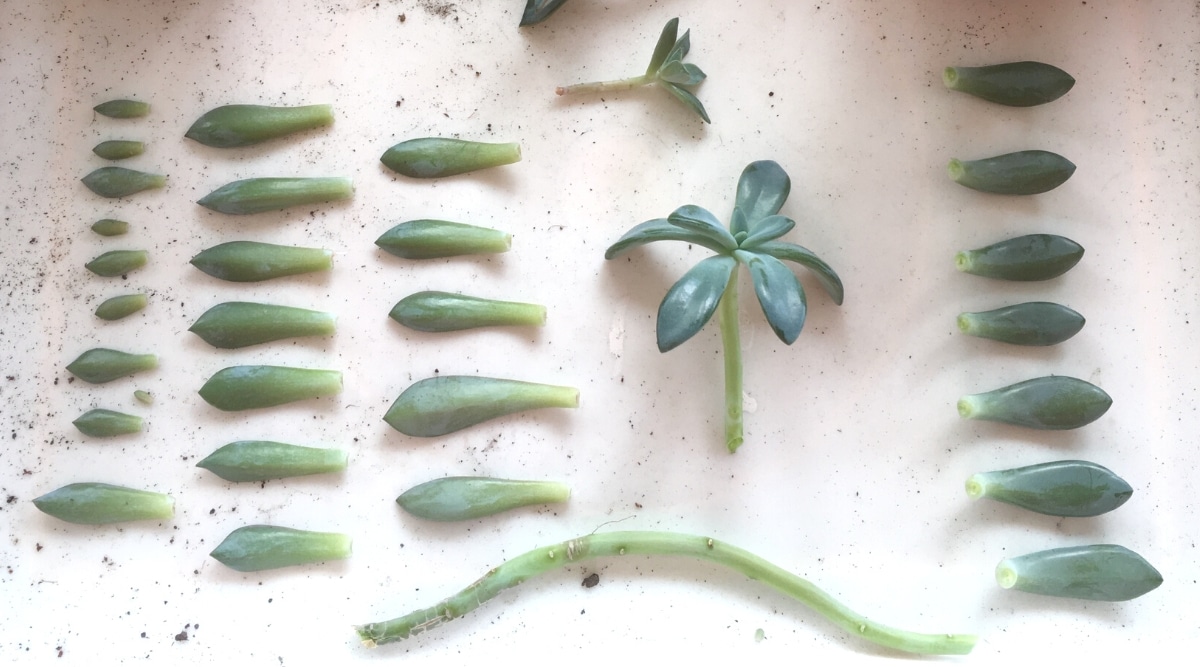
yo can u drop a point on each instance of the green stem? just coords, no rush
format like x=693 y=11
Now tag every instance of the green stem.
x=731 y=340
x=558 y=555
x=606 y=86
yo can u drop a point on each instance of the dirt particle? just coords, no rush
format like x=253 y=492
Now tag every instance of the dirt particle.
x=591 y=580
x=181 y=637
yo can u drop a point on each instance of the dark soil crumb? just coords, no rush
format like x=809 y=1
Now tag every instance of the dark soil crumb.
x=181 y=637
x=591 y=580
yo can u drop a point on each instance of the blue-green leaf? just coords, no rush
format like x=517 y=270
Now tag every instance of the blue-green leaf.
x=687 y=98
x=767 y=229
x=659 y=230
x=681 y=48
x=690 y=303
x=791 y=252
x=762 y=189
x=698 y=220
x=737 y=222
x=666 y=42
x=779 y=293
x=539 y=10
x=682 y=74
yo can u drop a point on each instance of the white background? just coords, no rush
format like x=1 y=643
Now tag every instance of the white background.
x=852 y=473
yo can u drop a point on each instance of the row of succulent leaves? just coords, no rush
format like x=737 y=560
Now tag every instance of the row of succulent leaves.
x=750 y=241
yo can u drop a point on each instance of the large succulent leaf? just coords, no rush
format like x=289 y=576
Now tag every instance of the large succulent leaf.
x=681 y=73
x=687 y=98
x=803 y=256
x=660 y=229
x=779 y=293
x=690 y=303
x=666 y=42
x=762 y=189
x=699 y=220
x=538 y=10
x=767 y=229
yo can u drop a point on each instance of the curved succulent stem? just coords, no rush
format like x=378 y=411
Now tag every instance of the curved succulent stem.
x=659 y=543
x=731 y=340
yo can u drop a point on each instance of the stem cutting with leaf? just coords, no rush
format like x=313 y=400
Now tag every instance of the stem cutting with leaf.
x=666 y=69
x=750 y=241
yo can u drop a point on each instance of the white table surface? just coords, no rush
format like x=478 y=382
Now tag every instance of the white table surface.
x=853 y=470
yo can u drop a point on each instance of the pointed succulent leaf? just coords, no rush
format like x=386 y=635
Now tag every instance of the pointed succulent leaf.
x=690 y=303
x=779 y=293
x=659 y=230
x=698 y=220
x=762 y=189
x=681 y=73
x=791 y=252
x=738 y=223
x=681 y=48
x=666 y=42
x=687 y=98
x=538 y=10
x=767 y=229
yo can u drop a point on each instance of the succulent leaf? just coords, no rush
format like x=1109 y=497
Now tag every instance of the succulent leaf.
x=762 y=189
x=779 y=293
x=658 y=229
x=767 y=229
x=790 y=252
x=691 y=302
x=666 y=42
x=701 y=221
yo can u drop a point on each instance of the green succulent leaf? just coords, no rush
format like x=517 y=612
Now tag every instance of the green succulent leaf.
x=687 y=98
x=790 y=252
x=699 y=220
x=659 y=229
x=779 y=294
x=538 y=10
x=681 y=73
x=767 y=229
x=762 y=190
x=666 y=42
x=738 y=223
x=681 y=48
x=690 y=303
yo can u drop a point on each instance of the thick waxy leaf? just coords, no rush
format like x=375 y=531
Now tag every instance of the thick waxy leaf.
x=681 y=48
x=690 y=303
x=538 y=10
x=1107 y=572
x=790 y=252
x=659 y=229
x=687 y=98
x=779 y=293
x=762 y=189
x=767 y=229
x=682 y=74
x=699 y=220
x=666 y=42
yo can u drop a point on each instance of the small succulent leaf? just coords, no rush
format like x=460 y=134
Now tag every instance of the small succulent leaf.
x=538 y=10
x=737 y=222
x=691 y=302
x=681 y=48
x=687 y=98
x=681 y=74
x=779 y=293
x=791 y=252
x=767 y=229
x=699 y=220
x=666 y=42
x=762 y=190
x=659 y=230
